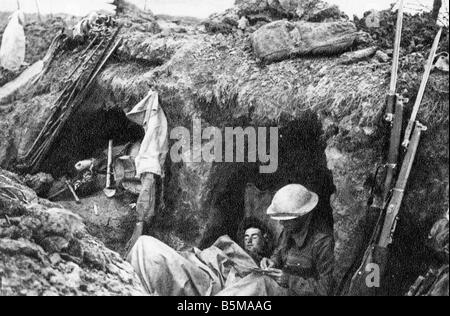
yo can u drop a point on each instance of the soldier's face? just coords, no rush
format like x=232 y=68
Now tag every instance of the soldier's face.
x=253 y=240
x=289 y=225
x=294 y=224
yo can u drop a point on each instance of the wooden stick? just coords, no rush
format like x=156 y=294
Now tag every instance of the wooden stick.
x=51 y=197
x=72 y=190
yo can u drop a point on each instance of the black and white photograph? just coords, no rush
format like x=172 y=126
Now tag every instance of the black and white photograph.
x=223 y=153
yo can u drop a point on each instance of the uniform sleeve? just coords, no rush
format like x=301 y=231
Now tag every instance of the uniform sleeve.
x=278 y=252
x=323 y=255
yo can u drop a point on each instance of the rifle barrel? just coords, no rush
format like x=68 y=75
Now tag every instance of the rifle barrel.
x=423 y=86
x=398 y=39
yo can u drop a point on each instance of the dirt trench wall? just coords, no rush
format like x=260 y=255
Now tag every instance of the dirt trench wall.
x=45 y=250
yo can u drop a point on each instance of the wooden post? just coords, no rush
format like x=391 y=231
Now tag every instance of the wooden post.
x=145 y=6
x=18 y=4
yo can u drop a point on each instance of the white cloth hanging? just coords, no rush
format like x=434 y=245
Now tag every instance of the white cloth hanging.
x=12 y=50
x=155 y=145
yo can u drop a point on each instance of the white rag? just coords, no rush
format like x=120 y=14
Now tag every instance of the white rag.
x=155 y=145
x=12 y=49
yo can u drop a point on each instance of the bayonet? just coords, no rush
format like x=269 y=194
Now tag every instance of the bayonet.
x=392 y=96
x=423 y=86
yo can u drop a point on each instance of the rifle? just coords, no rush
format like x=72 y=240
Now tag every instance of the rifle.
x=393 y=102
x=376 y=254
x=382 y=236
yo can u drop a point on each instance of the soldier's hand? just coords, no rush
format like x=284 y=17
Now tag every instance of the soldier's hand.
x=280 y=277
x=137 y=233
x=267 y=264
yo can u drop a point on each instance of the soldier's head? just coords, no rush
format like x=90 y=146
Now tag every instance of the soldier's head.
x=256 y=237
x=292 y=206
x=254 y=240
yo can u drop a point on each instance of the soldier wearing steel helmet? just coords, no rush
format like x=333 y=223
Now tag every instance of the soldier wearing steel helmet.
x=304 y=260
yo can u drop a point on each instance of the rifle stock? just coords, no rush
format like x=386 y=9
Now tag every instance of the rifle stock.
x=393 y=208
x=359 y=284
x=376 y=255
x=393 y=155
x=396 y=134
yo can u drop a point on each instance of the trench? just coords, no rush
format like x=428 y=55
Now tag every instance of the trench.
x=301 y=160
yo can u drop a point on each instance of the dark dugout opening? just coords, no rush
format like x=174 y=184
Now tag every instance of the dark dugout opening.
x=86 y=136
x=301 y=160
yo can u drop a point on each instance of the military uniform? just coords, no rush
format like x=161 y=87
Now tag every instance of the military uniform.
x=305 y=252
x=308 y=258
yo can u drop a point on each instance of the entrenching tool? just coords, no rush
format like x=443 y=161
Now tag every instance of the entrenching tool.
x=109 y=191
x=423 y=86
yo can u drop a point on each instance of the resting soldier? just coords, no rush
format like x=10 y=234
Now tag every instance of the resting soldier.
x=303 y=262
x=256 y=238
x=166 y=272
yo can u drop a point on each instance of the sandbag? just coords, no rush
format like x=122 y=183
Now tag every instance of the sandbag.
x=307 y=10
x=12 y=50
x=282 y=40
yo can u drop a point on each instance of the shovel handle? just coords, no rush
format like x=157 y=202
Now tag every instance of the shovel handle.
x=109 y=171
